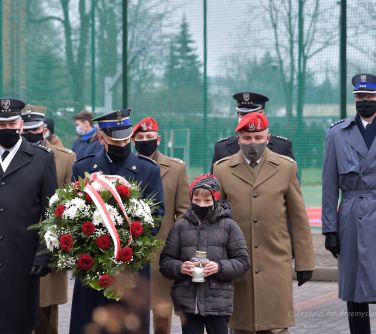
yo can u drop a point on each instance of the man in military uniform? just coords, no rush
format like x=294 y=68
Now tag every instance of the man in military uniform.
x=50 y=134
x=250 y=181
x=248 y=102
x=27 y=180
x=350 y=230
x=116 y=158
x=53 y=287
x=176 y=200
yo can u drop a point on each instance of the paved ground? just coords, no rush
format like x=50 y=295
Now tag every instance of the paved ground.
x=317 y=309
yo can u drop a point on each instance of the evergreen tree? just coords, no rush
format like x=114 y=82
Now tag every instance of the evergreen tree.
x=182 y=75
x=182 y=99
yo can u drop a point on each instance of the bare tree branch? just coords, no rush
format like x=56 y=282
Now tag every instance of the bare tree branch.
x=47 y=18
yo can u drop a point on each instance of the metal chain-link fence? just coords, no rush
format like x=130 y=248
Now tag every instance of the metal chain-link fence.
x=185 y=60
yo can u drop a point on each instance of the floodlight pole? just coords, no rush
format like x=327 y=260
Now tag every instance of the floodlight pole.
x=125 y=54
x=92 y=52
x=343 y=58
x=205 y=87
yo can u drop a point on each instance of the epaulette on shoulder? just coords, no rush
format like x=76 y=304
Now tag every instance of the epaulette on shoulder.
x=62 y=149
x=282 y=138
x=179 y=161
x=85 y=157
x=221 y=160
x=147 y=158
x=336 y=123
x=222 y=139
x=45 y=148
x=286 y=158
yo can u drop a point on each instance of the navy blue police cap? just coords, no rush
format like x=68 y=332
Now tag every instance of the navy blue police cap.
x=364 y=83
x=33 y=116
x=116 y=125
x=10 y=109
x=249 y=102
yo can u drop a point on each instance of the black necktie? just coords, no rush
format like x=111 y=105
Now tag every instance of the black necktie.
x=253 y=164
x=369 y=135
x=4 y=155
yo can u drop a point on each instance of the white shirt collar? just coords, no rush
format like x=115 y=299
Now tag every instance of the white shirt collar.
x=365 y=123
x=12 y=152
x=249 y=161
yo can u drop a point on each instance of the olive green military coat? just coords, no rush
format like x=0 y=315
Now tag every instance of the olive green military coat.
x=176 y=201
x=263 y=296
x=54 y=286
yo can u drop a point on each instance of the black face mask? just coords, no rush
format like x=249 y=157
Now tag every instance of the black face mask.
x=118 y=153
x=33 y=137
x=201 y=211
x=366 y=108
x=9 y=137
x=146 y=147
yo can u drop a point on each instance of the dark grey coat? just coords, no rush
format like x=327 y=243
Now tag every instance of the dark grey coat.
x=350 y=168
x=24 y=190
x=225 y=244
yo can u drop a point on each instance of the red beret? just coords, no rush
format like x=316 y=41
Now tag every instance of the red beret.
x=145 y=125
x=253 y=122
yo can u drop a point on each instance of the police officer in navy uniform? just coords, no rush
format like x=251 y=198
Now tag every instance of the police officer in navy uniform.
x=116 y=158
x=350 y=169
x=248 y=102
x=27 y=180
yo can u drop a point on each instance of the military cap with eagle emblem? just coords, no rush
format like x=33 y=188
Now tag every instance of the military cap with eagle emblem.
x=364 y=83
x=253 y=122
x=116 y=125
x=33 y=116
x=145 y=125
x=249 y=102
x=10 y=109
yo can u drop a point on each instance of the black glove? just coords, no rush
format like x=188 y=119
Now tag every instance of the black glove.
x=39 y=271
x=332 y=243
x=303 y=276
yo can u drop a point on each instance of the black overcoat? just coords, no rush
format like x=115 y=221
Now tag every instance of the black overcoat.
x=25 y=187
x=138 y=168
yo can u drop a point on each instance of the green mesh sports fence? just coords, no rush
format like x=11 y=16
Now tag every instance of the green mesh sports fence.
x=67 y=55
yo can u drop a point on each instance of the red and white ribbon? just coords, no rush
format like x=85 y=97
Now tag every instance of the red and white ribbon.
x=99 y=180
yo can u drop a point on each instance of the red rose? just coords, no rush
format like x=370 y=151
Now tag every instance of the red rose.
x=103 y=242
x=105 y=280
x=88 y=228
x=76 y=185
x=66 y=242
x=126 y=254
x=88 y=199
x=59 y=210
x=85 y=261
x=123 y=191
x=136 y=229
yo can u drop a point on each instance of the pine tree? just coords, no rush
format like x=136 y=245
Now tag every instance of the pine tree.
x=182 y=76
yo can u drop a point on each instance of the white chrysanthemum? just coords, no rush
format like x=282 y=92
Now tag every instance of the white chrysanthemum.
x=147 y=212
x=139 y=208
x=74 y=208
x=52 y=240
x=53 y=199
x=114 y=214
x=97 y=218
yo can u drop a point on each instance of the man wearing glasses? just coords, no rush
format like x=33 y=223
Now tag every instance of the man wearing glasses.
x=350 y=169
